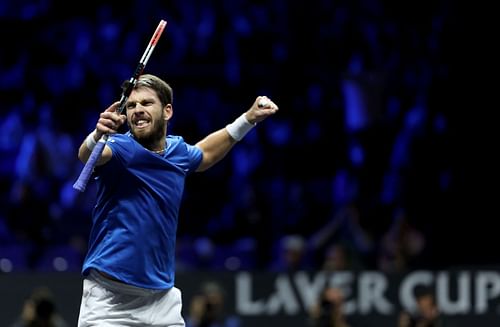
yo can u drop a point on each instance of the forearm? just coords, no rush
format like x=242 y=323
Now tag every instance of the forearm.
x=215 y=146
x=87 y=146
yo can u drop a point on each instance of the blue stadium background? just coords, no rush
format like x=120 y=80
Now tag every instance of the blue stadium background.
x=382 y=143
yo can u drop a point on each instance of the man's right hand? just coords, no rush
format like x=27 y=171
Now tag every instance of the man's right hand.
x=109 y=121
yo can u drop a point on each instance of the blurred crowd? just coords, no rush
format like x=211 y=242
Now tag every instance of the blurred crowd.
x=353 y=173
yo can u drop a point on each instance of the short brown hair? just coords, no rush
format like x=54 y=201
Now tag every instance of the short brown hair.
x=162 y=89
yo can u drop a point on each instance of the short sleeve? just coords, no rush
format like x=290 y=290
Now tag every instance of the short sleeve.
x=195 y=157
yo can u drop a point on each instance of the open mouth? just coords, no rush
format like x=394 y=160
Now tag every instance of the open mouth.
x=141 y=123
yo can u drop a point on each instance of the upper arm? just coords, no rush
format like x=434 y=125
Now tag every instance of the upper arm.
x=214 y=147
x=204 y=163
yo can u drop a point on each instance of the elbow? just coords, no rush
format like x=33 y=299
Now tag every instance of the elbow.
x=204 y=165
x=201 y=168
x=82 y=156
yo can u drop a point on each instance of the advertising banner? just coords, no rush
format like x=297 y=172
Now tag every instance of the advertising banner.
x=463 y=297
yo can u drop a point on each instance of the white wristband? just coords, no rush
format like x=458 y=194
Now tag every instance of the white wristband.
x=239 y=128
x=90 y=141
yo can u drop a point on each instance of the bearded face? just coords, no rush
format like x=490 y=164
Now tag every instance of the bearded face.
x=146 y=118
x=148 y=130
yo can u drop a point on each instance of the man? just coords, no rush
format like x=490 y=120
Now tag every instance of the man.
x=129 y=268
x=207 y=308
x=40 y=309
x=328 y=311
x=427 y=312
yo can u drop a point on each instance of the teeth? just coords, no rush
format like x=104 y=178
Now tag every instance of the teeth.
x=140 y=122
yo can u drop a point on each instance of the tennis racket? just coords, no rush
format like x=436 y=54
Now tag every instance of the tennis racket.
x=87 y=170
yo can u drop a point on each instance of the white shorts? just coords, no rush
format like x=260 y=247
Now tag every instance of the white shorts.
x=109 y=303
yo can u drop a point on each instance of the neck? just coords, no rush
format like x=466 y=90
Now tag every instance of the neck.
x=158 y=151
x=156 y=146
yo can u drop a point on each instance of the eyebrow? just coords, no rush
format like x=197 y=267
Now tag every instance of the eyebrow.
x=148 y=98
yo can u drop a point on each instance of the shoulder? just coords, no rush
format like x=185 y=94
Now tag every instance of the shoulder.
x=177 y=143
x=184 y=153
x=122 y=146
x=175 y=139
x=120 y=140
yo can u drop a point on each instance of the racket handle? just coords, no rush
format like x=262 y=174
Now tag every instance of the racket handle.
x=87 y=170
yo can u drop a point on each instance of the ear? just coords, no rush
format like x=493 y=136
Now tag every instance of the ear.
x=168 y=111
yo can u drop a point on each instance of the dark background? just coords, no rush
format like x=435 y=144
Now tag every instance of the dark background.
x=419 y=137
x=430 y=64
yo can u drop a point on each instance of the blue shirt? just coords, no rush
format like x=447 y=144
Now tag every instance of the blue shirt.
x=134 y=222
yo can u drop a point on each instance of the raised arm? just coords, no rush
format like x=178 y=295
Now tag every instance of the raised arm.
x=108 y=123
x=216 y=145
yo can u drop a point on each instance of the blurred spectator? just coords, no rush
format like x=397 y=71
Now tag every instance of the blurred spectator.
x=401 y=245
x=40 y=310
x=339 y=257
x=344 y=227
x=328 y=311
x=427 y=314
x=291 y=254
x=207 y=308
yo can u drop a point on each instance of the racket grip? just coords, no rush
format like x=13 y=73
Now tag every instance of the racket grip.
x=83 y=179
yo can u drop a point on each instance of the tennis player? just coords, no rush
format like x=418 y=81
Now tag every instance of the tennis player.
x=129 y=269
